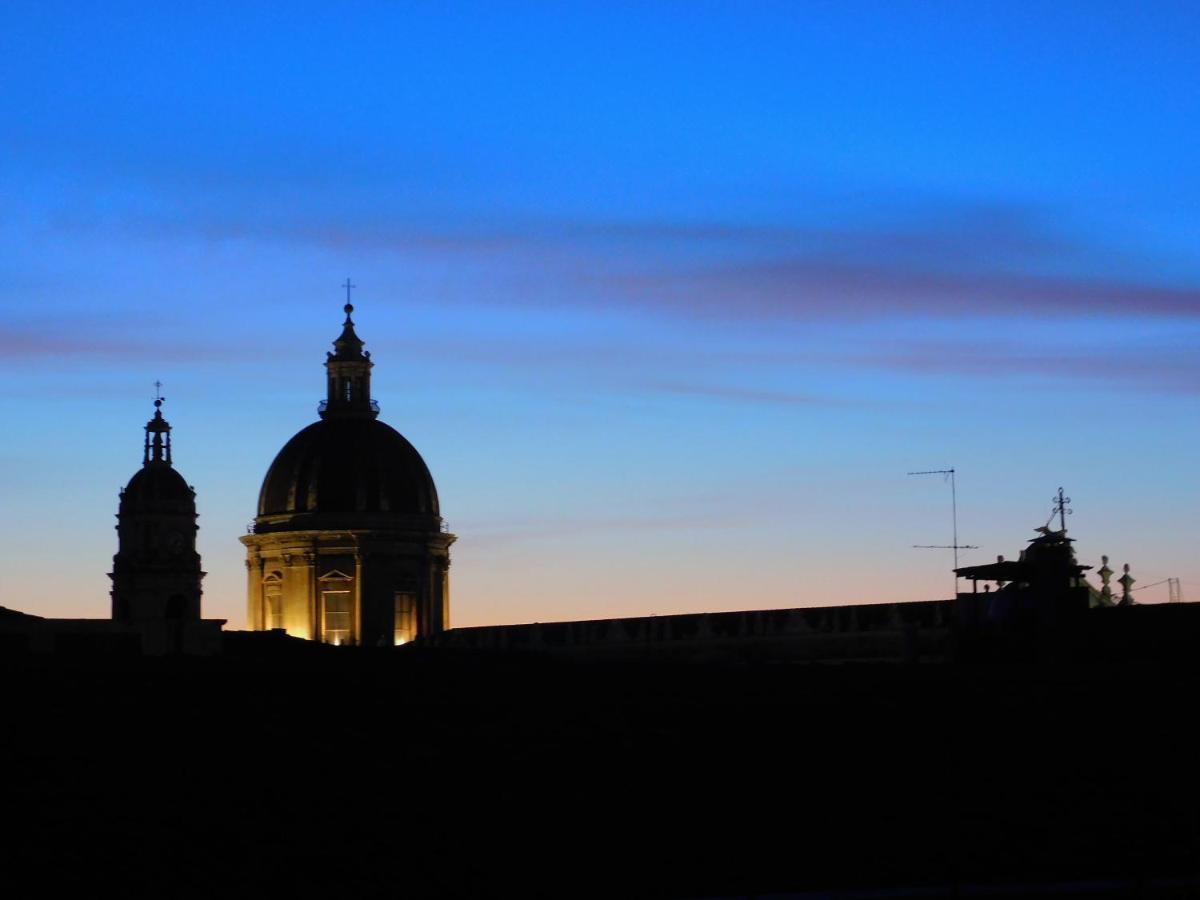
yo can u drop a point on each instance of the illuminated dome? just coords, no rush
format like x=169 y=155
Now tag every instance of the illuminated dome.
x=349 y=546
x=347 y=465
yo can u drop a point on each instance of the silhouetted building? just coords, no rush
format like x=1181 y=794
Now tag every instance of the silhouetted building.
x=155 y=578
x=349 y=545
x=1043 y=609
x=921 y=631
x=1047 y=567
x=156 y=571
x=349 y=548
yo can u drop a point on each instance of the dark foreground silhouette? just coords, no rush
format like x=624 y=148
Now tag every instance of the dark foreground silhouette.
x=358 y=773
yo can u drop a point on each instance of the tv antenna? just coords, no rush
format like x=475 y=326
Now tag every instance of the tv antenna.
x=948 y=475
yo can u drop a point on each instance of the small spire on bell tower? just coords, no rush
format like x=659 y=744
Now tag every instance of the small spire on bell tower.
x=157 y=448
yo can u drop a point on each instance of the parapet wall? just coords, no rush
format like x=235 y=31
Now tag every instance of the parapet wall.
x=23 y=634
x=876 y=632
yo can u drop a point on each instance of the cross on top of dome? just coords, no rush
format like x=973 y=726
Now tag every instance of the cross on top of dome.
x=348 y=345
x=348 y=371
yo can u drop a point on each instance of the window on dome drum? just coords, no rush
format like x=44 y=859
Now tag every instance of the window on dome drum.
x=406 y=617
x=273 y=605
x=336 y=623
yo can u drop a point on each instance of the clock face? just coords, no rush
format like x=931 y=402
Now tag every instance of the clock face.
x=174 y=543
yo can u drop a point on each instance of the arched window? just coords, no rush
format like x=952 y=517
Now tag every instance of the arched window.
x=273 y=601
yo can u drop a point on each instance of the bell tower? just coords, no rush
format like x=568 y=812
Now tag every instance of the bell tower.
x=156 y=571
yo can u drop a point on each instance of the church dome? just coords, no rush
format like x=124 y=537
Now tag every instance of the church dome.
x=348 y=546
x=348 y=470
x=348 y=465
x=157 y=487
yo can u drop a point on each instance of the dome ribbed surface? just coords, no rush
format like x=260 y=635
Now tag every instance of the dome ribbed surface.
x=348 y=465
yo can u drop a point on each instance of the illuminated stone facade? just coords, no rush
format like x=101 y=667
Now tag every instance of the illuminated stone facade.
x=349 y=546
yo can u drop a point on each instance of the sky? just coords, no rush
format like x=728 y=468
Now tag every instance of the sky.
x=670 y=296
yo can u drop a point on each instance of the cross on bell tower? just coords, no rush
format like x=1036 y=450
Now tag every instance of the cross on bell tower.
x=157 y=448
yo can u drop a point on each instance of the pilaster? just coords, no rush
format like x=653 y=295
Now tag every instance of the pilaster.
x=254 y=592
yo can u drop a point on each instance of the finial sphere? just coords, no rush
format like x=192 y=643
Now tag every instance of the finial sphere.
x=348 y=308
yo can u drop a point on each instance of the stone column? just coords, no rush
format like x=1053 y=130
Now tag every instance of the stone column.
x=254 y=599
x=298 y=594
x=314 y=598
x=358 y=595
x=445 y=598
x=425 y=599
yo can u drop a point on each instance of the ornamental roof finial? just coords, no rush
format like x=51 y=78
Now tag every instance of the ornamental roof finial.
x=158 y=447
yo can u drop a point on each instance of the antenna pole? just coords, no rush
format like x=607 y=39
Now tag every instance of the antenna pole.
x=1174 y=591
x=954 y=516
x=954 y=544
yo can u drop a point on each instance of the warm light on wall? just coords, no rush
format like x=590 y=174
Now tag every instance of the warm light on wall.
x=405 y=607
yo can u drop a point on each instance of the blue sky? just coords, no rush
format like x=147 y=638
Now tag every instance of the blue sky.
x=670 y=296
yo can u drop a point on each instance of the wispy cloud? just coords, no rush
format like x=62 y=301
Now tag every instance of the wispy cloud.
x=67 y=344
x=804 y=291
x=741 y=395
x=941 y=235
x=938 y=260
x=1147 y=367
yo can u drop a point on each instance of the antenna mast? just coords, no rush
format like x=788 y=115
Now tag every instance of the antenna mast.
x=954 y=544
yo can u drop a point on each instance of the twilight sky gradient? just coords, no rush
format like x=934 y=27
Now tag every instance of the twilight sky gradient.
x=669 y=296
